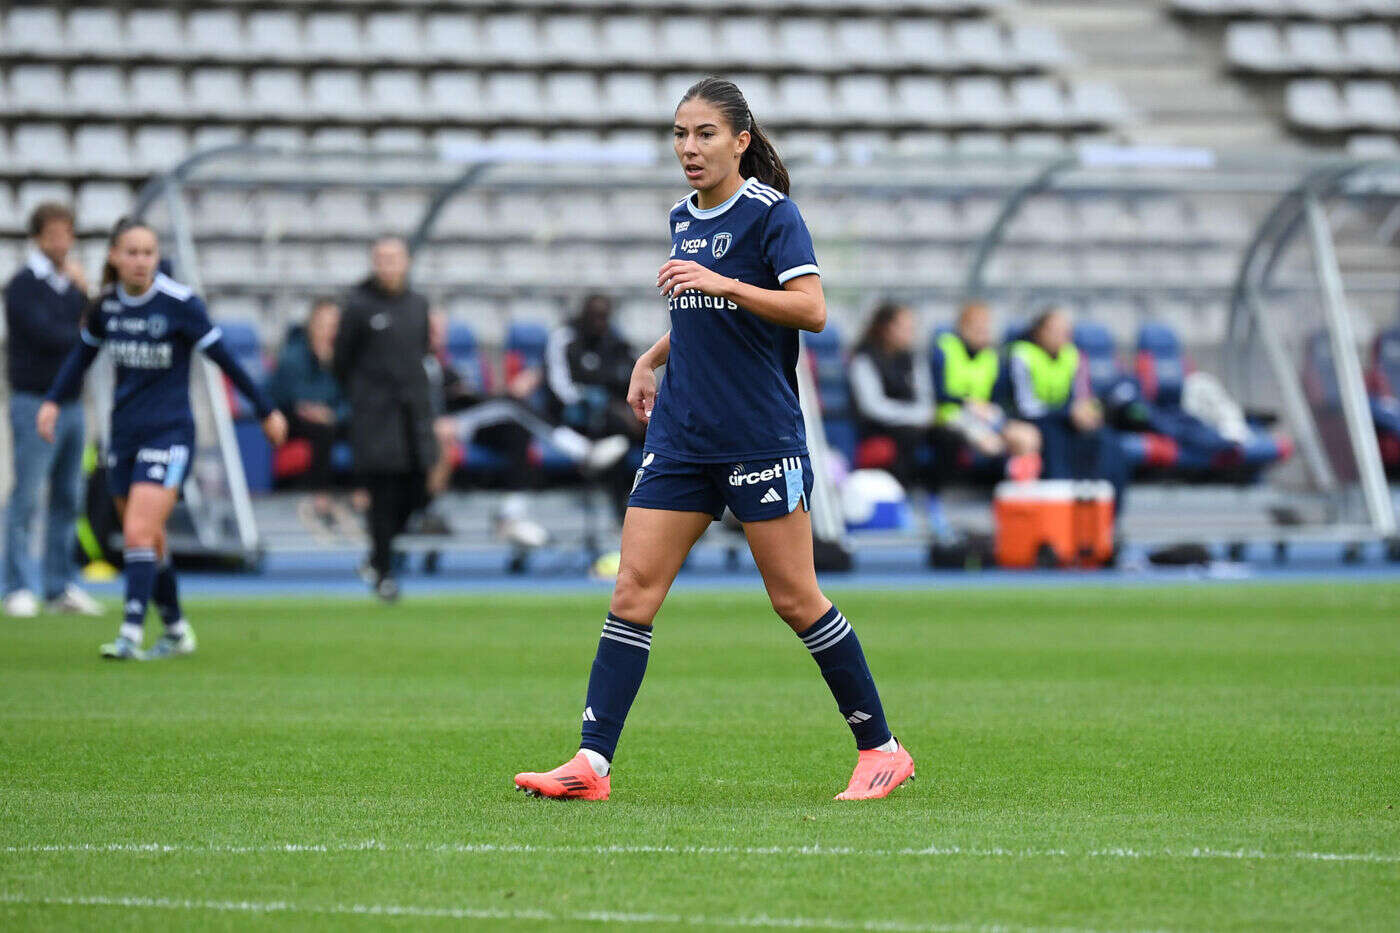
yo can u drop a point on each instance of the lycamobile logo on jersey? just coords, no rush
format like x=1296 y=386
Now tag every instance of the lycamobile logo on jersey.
x=694 y=244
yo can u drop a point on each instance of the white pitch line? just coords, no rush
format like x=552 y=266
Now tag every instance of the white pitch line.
x=758 y=921
x=509 y=848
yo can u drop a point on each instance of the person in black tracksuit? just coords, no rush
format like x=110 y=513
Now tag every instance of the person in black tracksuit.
x=588 y=367
x=379 y=353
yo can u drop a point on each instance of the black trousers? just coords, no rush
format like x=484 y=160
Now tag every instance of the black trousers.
x=393 y=497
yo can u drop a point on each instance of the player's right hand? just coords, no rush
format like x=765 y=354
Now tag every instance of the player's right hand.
x=46 y=420
x=641 y=392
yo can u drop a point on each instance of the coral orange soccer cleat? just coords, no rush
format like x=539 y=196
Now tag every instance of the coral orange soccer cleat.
x=574 y=779
x=877 y=773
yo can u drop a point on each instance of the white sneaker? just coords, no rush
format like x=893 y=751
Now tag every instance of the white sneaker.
x=73 y=601
x=21 y=604
x=523 y=533
x=604 y=453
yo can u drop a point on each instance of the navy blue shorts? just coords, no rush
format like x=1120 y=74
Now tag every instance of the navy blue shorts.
x=163 y=459
x=754 y=490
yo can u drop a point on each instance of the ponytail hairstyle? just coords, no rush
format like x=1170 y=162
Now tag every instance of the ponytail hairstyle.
x=760 y=160
x=123 y=224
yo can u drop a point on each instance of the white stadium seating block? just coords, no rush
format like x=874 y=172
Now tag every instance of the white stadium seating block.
x=332 y=36
x=452 y=37
x=40 y=146
x=95 y=29
x=102 y=203
x=218 y=91
x=394 y=36
x=102 y=147
x=274 y=34
x=33 y=29
x=1255 y=46
x=156 y=32
x=215 y=34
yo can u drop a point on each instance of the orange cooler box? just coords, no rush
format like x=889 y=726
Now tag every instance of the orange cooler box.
x=1055 y=523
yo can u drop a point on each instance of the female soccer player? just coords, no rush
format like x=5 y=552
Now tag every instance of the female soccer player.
x=151 y=324
x=725 y=429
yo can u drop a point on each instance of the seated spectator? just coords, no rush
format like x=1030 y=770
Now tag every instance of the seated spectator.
x=588 y=368
x=893 y=396
x=1050 y=389
x=966 y=369
x=304 y=386
x=465 y=413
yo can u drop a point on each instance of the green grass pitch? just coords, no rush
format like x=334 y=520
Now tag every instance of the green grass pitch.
x=1209 y=757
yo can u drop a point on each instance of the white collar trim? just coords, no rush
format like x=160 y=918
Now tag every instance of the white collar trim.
x=706 y=213
x=45 y=271
x=133 y=301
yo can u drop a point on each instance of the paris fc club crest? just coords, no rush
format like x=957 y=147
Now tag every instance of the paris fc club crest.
x=156 y=326
x=720 y=245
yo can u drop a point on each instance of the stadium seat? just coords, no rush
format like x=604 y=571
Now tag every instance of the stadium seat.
x=100 y=203
x=393 y=36
x=396 y=93
x=276 y=92
x=1160 y=365
x=243 y=344
x=510 y=37
x=159 y=91
x=218 y=91
x=335 y=92
x=1037 y=102
x=1371 y=46
x=332 y=36
x=980 y=101
x=455 y=94
x=922 y=99
x=1372 y=104
x=743 y=38
x=101 y=147
x=827 y=358
x=1095 y=343
x=634 y=38
x=33 y=29
x=37 y=89
x=679 y=37
x=977 y=43
x=158 y=148
x=95 y=29
x=1255 y=46
x=570 y=38
x=275 y=34
x=1314 y=103
x=215 y=34
x=154 y=31
x=41 y=146
x=803 y=41
x=1313 y=47
x=452 y=37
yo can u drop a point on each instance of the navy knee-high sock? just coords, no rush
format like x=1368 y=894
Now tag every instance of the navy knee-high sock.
x=140 y=577
x=835 y=648
x=618 y=668
x=166 y=593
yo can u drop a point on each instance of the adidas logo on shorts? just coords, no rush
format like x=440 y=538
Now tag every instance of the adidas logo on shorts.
x=771 y=496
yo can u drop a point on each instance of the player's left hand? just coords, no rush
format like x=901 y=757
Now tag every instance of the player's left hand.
x=683 y=275
x=275 y=428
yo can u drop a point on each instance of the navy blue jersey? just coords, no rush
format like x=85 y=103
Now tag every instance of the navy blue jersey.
x=730 y=389
x=151 y=338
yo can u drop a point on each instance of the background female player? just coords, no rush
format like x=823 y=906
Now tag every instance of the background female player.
x=726 y=430
x=151 y=324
